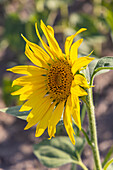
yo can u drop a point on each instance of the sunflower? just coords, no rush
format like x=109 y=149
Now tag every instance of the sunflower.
x=52 y=86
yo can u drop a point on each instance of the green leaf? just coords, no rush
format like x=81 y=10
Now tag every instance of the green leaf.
x=59 y=151
x=92 y=65
x=14 y=111
x=109 y=165
x=103 y=65
x=107 y=157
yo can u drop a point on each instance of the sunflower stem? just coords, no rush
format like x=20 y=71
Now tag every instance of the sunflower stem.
x=93 y=130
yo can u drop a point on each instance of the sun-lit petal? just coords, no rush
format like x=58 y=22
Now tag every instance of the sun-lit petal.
x=39 y=61
x=78 y=91
x=28 y=88
x=56 y=116
x=51 y=40
x=81 y=62
x=80 y=80
x=33 y=100
x=49 y=51
x=28 y=69
x=74 y=50
x=51 y=131
x=28 y=80
x=44 y=122
x=38 y=113
x=50 y=30
x=69 y=40
x=37 y=50
x=25 y=95
x=68 y=120
x=76 y=110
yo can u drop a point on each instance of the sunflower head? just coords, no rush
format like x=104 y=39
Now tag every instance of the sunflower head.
x=52 y=86
x=59 y=80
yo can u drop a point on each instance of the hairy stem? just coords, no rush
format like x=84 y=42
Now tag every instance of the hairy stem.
x=93 y=130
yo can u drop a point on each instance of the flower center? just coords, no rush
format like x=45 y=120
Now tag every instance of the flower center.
x=59 y=79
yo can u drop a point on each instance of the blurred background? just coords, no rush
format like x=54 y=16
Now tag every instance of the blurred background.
x=66 y=17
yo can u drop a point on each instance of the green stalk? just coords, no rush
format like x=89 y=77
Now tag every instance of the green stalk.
x=83 y=166
x=81 y=163
x=93 y=130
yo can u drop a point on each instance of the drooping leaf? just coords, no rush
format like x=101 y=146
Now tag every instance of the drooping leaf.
x=103 y=65
x=14 y=111
x=58 y=151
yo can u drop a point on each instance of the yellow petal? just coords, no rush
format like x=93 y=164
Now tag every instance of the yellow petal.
x=38 y=112
x=68 y=110
x=56 y=116
x=68 y=120
x=50 y=30
x=26 y=95
x=74 y=50
x=69 y=40
x=39 y=131
x=37 y=60
x=44 y=121
x=81 y=62
x=49 y=51
x=39 y=107
x=76 y=110
x=37 y=50
x=51 y=131
x=35 y=99
x=78 y=91
x=22 y=90
x=80 y=80
x=27 y=69
x=51 y=40
x=28 y=88
x=25 y=80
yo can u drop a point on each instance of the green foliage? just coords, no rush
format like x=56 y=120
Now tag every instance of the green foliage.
x=109 y=165
x=87 y=21
x=100 y=66
x=59 y=151
x=109 y=21
x=6 y=87
x=13 y=29
x=14 y=111
x=108 y=4
x=110 y=152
